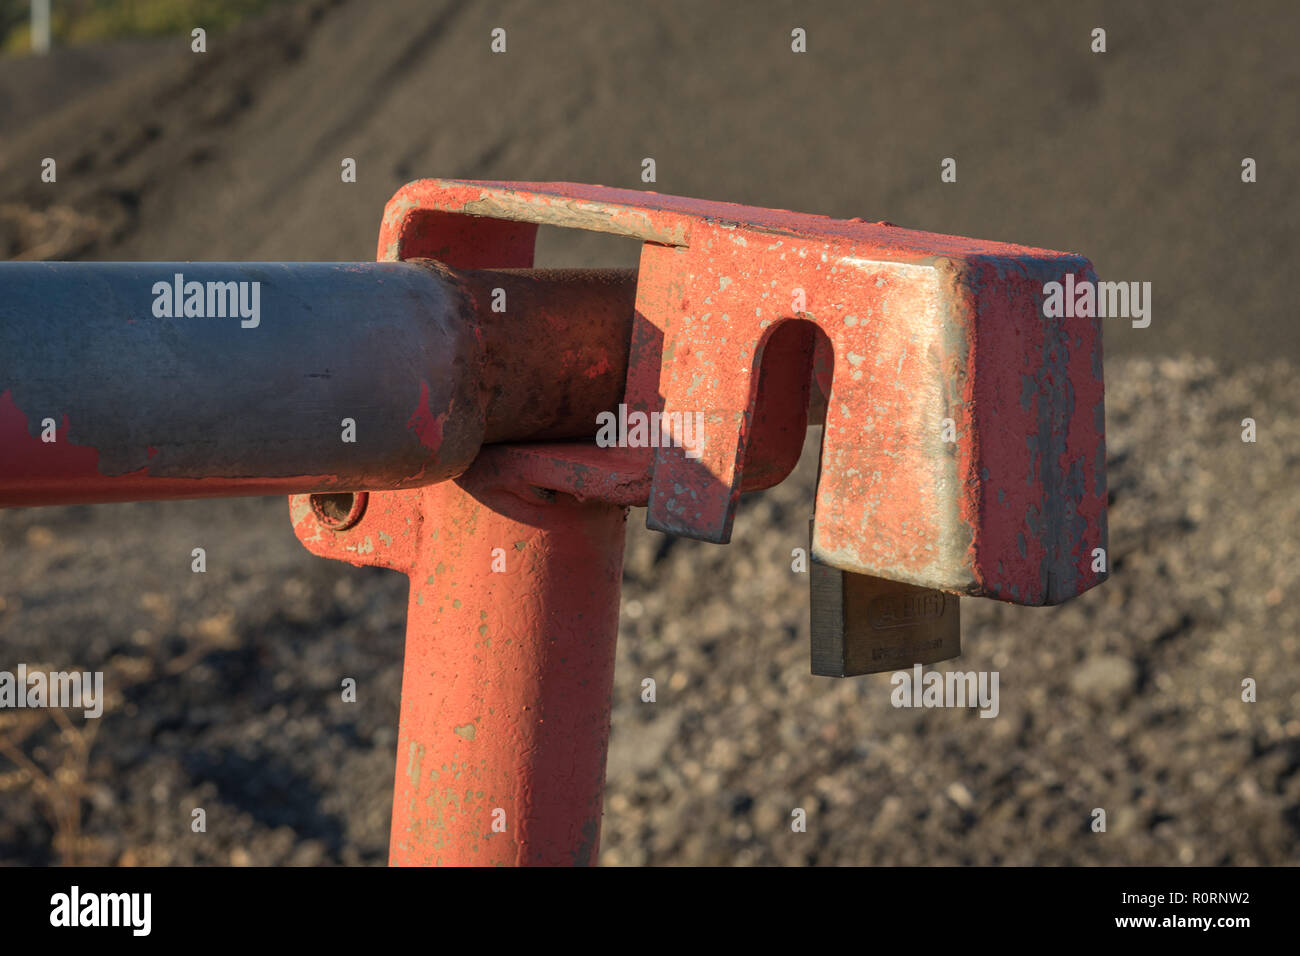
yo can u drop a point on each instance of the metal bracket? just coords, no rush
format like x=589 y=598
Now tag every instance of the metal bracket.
x=964 y=437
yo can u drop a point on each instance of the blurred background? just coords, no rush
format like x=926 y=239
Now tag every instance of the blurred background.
x=224 y=686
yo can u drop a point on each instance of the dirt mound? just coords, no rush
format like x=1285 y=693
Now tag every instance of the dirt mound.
x=1132 y=156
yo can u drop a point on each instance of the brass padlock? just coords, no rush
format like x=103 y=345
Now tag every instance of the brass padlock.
x=864 y=625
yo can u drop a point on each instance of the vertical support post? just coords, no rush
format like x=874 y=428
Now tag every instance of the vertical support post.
x=40 y=26
x=508 y=673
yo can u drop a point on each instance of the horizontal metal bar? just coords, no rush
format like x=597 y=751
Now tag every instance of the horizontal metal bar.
x=127 y=381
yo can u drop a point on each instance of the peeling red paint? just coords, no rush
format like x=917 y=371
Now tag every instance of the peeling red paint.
x=427 y=424
x=41 y=473
x=917 y=327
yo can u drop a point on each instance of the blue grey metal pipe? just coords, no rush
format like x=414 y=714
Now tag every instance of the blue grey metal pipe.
x=176 y=379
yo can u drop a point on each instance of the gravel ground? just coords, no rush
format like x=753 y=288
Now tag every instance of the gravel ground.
x=224 y=684
x=1127 y=698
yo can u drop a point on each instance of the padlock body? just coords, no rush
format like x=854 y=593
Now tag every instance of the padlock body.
x=864 y=625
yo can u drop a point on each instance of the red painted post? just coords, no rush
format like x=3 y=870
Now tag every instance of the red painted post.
x=509 y=667
x=510 y=637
